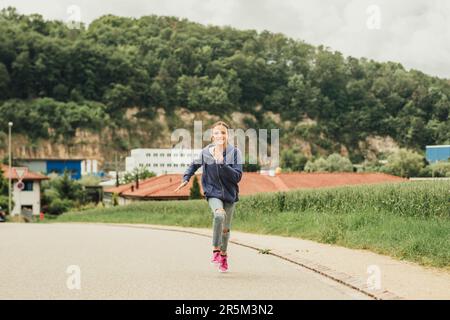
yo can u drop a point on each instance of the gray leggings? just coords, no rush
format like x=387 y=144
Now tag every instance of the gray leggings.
x=222 y=221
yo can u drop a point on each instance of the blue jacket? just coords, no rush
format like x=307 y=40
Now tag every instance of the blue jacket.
x=219 y=180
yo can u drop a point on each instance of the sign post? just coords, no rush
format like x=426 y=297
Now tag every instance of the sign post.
x=10 y=124
x=20 y=172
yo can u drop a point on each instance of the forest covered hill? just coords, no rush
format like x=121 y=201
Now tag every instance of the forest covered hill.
x=122 y=83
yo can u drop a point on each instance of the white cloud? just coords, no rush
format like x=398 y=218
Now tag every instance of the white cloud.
x=413 y=32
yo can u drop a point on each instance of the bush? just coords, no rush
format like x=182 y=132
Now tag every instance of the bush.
x=337 y=163
x=318 y=165
x=59 y=206
x=250 y=167
x=334 y=163
x=425 y=172
x=440 y=169
x=4 y=203
x=49 y=195
x=90 y=180
x=293 y=160
x=404 y=163
x=88 y=206
x=372 y=166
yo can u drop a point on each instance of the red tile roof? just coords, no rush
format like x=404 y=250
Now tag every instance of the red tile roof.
x=162 y=187
x=30 y=175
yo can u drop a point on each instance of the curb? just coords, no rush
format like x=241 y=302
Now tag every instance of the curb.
x=343 y=278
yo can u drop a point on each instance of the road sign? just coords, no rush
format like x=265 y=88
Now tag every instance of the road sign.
x=20 y=185
x=20 y=172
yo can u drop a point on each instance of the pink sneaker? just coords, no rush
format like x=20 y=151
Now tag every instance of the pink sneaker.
x=223 y=266
x=216 y=258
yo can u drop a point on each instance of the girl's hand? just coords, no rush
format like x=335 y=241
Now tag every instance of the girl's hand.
x=181 y=186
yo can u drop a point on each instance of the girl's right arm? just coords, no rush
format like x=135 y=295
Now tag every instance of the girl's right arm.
x=195 y=164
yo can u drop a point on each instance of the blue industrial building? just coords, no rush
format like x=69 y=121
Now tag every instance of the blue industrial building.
x=58 y=166
x=48 y=166
x=437 y=153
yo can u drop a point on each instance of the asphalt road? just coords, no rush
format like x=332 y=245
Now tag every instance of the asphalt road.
x=86 y=261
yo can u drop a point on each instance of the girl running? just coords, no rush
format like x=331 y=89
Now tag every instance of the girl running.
x=222 y=170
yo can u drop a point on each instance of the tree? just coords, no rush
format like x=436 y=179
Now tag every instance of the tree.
x=115 y=199
x=22 y=75
x=117 y=98
x=4 y=82
x=61 y=194
x=140 y=173
x=60 y=92
x=56 y=80
x=4 y=190
x=68 y=188
x=195 y=189
x=4 y=193
x=303 y=99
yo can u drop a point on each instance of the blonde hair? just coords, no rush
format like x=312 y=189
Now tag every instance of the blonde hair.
x=218 y=123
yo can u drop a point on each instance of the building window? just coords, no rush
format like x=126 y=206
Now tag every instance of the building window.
x=155 y=164
x=175 y=165
x=182 y=164
x=161 y=154
x=28 y=186
x=161 y=165
x=155 y=154
x=181 y=154
x=169 y=164
x=168 y=154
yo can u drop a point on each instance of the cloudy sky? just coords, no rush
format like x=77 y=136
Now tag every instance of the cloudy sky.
x=413 y=32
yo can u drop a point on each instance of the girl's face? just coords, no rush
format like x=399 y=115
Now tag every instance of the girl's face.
x=220 y=135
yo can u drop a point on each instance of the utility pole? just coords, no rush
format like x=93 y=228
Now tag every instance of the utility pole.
x=117 y=170
x=10 y=124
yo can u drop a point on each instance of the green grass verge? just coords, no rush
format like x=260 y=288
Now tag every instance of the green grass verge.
x=409 y=221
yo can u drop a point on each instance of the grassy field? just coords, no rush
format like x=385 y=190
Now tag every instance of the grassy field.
x=408 y=220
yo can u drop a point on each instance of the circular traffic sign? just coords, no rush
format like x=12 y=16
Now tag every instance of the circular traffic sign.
x=20 y=185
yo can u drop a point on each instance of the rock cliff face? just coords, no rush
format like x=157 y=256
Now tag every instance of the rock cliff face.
x=104 y=145
x=85 y=145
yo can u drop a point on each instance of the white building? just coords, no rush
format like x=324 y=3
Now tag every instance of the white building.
x=29 y=198
x=89 y=167
x=162 y=161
